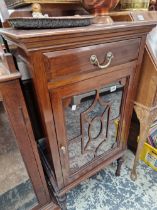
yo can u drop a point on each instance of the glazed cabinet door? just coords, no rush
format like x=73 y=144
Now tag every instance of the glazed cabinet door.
x=89 y=119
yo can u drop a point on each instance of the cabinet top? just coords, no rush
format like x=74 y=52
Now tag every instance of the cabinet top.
x=16 y=33
x=42 y=38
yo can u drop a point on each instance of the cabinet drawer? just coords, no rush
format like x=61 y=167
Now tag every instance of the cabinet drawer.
x=73 y=61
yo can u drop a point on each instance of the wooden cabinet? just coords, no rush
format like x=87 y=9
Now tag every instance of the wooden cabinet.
x=85 y=81
x=18 y=128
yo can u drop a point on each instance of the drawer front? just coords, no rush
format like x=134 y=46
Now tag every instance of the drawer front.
x=74 y=61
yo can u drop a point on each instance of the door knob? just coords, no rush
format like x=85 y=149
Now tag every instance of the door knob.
x=63 y=149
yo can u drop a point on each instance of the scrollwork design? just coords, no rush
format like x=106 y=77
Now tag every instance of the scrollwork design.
x=86 y=119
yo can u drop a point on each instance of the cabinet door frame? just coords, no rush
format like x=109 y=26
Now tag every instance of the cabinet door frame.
x=84 y=86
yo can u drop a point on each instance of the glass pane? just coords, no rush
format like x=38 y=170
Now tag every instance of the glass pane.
x=90 y=120
x=16 y=191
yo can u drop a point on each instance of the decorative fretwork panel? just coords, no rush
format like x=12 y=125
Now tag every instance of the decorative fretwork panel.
x=90 y=124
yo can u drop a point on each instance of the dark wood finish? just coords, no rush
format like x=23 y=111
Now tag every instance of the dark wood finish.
x=61 y=63
x=13 y=101
x=52 y=57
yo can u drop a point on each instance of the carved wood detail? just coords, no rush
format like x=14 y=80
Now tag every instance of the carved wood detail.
x=85 y=118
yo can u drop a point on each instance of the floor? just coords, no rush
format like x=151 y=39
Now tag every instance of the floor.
x=104 y=191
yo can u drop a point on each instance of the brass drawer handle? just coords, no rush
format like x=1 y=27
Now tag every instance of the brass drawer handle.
x=94 y=60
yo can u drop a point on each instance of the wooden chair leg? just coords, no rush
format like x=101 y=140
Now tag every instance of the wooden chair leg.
x=142 y=139
x=146 y=117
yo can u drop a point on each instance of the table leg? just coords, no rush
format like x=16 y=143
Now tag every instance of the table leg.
x=146 y=117
x=142 y=139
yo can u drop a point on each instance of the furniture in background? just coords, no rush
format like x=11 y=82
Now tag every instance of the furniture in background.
x=153 y=5
x=12 y=99
x=75 y=83
x=133 y=16
x=135 y=4
x=146 y=98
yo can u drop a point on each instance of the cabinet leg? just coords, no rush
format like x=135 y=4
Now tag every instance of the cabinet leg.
x=120 y=161
x=62 y=202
